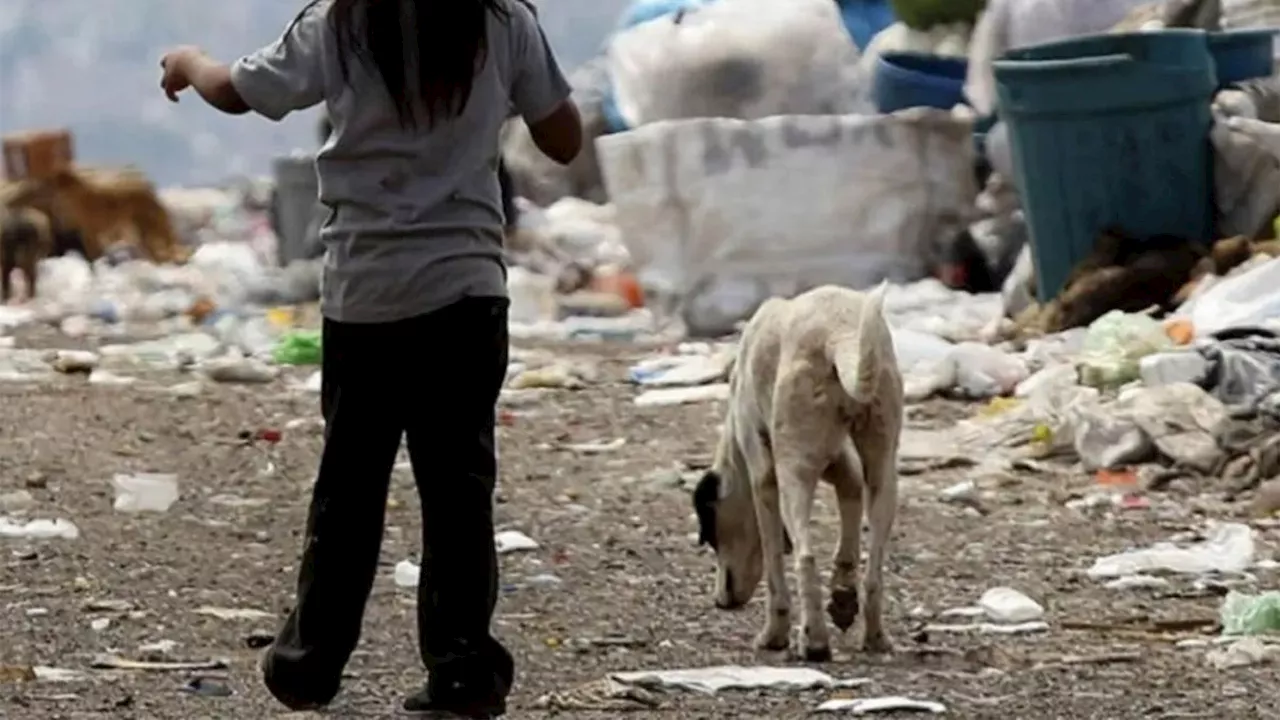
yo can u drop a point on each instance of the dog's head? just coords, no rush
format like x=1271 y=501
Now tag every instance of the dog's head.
x=727 y=522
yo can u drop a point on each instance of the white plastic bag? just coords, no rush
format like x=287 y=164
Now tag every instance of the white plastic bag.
x=533 y=297
x=145 y=492
x=1249 y=299
x=735 y=58
x=1228 y=548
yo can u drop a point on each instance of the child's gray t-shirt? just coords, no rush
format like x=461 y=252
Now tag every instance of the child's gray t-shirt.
x=415 y=218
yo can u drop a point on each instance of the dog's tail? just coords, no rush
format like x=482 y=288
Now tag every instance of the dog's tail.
x=857 y=355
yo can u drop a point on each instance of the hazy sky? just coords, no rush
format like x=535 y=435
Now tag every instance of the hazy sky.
x=93 y=66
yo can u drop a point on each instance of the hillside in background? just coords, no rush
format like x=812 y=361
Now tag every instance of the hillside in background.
x=93 y=66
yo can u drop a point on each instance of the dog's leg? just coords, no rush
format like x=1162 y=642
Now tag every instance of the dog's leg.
x=29 y=267
x=879 y=458
x=846 y=476
x=776 y=634
x=6 y=281
x=797 y=482
x=7 y=264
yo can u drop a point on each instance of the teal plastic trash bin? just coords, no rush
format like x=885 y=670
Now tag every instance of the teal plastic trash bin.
x=1109 y=131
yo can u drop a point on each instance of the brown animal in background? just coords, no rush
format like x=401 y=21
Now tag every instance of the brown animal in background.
x=1227 y=255
x=1122 y=274
x=110 y=207
x=26 y=237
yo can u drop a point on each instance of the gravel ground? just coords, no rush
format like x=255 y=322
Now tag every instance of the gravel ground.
x=616 y=530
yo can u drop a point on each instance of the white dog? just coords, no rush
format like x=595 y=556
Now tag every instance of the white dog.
x=816 y=394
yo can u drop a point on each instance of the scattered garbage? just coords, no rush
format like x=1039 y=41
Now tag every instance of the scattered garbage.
x=713 y=680
x=513 y=541
x=1228 y=548
x=1115 y=346
x=207 y=687
x=298 y=347
x=596 y=448
x=1166 y=368
x=237 y=369
x=1247 y=652
x=407 y=574
x=867 y=706
x=145 y=492
x=683 y=395
x=74 y=361
x=982 y=628
x=38 y=529
x=16 y=501
x=115 y=662
x=1134 y=582
x=1006 y=605
x=234 y=613
x=1247 y=299
x=1242 y=369
x=556 y=376
x=1251 y=614
x=682 y=370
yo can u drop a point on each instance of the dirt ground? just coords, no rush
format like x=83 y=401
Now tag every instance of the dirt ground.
x=615 y=529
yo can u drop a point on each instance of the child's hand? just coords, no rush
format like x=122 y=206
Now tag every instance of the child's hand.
x=176 y=64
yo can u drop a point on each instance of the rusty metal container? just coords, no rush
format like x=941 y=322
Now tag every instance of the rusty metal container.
x=37 y=155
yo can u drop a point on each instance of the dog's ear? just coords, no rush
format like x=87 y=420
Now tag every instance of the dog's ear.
x=706 y=496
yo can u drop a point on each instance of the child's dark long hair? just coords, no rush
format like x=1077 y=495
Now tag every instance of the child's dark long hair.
x=440 y=44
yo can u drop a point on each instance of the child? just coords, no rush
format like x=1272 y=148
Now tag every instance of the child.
x=415 y=309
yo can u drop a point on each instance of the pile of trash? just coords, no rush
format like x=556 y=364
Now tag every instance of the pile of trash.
x=1195 y=395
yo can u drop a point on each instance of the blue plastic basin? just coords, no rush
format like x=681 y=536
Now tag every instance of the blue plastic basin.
x=1242 y=54
x=1109 y=131
x=904 y=80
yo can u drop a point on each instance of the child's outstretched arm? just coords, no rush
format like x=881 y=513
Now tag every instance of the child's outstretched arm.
x=285 y=76
x=189 y=67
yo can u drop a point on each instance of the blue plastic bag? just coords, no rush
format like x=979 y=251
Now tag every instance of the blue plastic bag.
x=865 y=18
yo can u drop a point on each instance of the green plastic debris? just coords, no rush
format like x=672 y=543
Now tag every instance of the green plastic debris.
x=1251 y=614
x=298 y=347
x=1113 y=346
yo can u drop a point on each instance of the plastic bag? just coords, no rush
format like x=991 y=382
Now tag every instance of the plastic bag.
x=1115 y=344
x=1251 y=614
x=1228 y=548
x=145 y=492
x=298 y=347
x=983 y=371
x=735 y=58
x=532 y=296
x=1249 y=299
